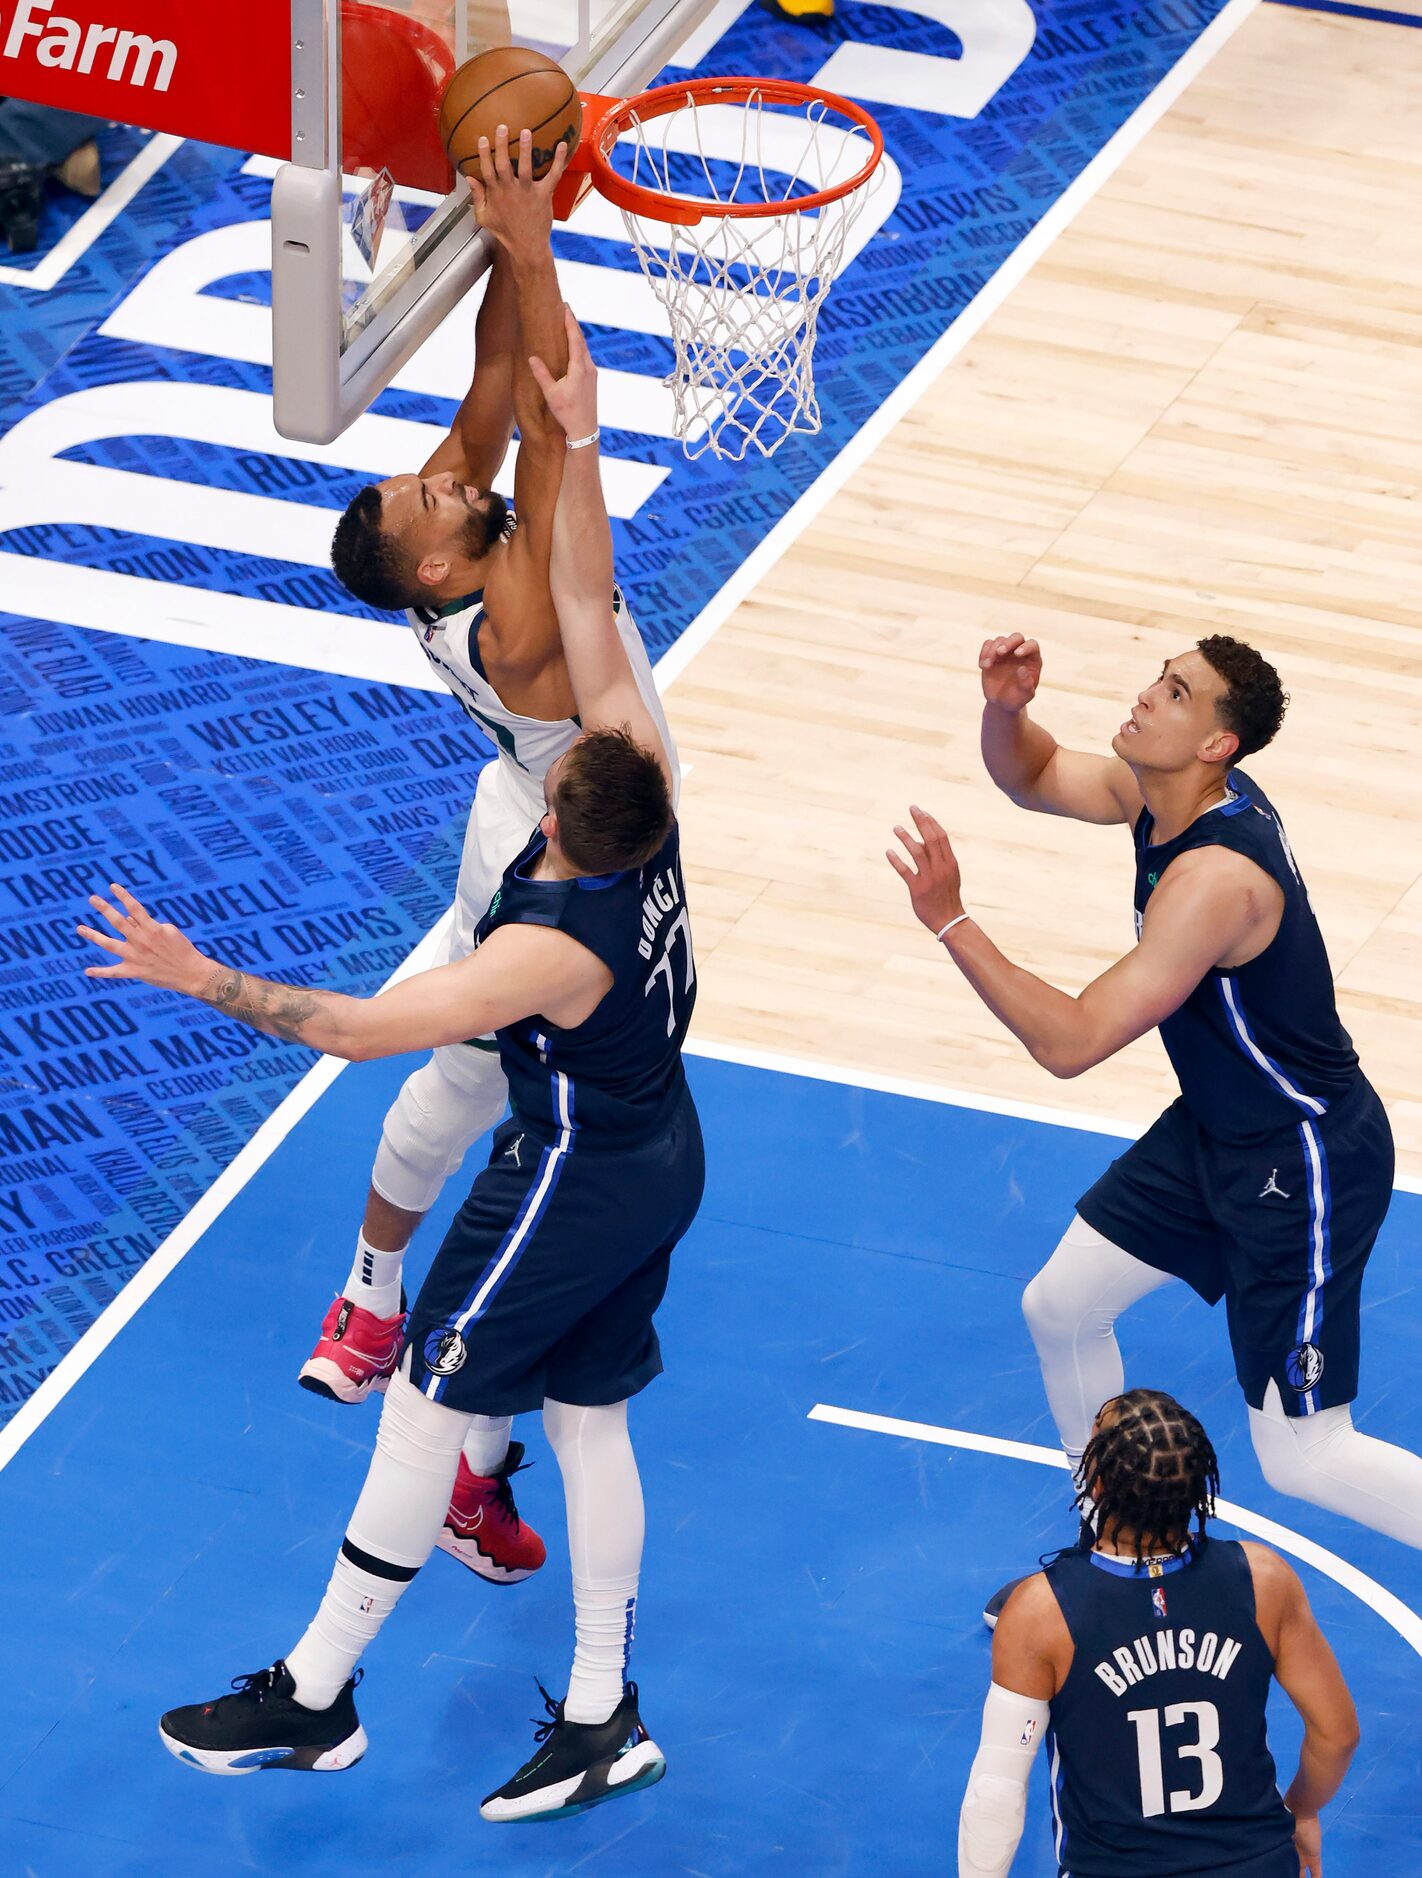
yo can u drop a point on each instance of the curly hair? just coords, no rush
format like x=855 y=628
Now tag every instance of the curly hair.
x=1254 y=701
x=367 y=562
x=1155 y=1470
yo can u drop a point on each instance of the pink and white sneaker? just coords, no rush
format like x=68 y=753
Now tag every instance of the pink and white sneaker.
x=482 y=1528
x=355 y=1353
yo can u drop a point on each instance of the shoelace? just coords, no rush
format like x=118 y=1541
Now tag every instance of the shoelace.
x=542 y=1729
x=504 y=1500
x=261 y=1682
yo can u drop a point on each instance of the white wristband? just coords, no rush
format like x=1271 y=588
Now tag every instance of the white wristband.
x=951 y=924
x=581 y=443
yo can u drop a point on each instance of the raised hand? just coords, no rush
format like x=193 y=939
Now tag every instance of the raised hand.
x=931 y=872
x=572 y=398
x=1012 y=670
x=516 y=210
x=144 y=947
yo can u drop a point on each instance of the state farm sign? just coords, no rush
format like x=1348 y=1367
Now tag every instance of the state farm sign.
x=180 y=65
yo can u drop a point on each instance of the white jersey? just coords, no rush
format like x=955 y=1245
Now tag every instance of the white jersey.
x=509 y=799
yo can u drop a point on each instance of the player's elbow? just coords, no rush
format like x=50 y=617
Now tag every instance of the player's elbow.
x=1064 y=1058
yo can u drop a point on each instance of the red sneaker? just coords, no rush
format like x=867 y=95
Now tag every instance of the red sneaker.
x=356 y=1352
x=482 y=1528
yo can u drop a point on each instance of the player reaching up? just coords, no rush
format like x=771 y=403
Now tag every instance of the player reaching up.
x=1145 y=1660
x=1267 y=1180
x=544 y=1290
x=475 y=589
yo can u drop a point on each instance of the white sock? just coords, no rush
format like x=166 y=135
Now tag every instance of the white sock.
x=486 y=1446
x=605 y=1532
x=374 y=1283
x=1325 y=1460
x=391 y=1533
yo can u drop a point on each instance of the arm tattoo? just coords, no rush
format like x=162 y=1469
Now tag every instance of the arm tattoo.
x=281 y=1010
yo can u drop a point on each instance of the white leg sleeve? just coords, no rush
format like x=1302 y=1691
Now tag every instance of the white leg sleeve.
x=438 y=1115
x=1325 y=1460
x=1071 y=1308
x=605 y=1531
x=391 y=1533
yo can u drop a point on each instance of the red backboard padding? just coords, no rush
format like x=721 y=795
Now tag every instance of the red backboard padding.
x=395 y=71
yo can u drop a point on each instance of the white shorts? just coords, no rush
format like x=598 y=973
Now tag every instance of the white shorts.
x=508 y=805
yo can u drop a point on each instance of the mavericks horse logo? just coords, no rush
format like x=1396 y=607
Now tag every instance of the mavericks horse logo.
x=1303 y=1366
x=445 y=1351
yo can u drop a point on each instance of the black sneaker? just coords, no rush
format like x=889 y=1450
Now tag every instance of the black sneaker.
x=992 y=1610
x=263 y=1725
x=21 y=196
x=579 y=1764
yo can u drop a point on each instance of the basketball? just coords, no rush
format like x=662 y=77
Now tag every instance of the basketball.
x=512 y=86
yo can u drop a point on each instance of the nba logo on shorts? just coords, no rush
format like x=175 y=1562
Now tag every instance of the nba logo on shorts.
x=1303 y=1366
x=444 y=1351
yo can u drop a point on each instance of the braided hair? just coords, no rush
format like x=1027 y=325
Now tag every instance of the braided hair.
x=1155 y=1469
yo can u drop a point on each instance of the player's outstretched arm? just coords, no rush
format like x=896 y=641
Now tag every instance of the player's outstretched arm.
x=1026 y=1674
x=517 y=972
x=483 y=426
x=1308 y=1673
x=518 y=213
x=1203 y=912
x=581 y=571
x=1026 y=761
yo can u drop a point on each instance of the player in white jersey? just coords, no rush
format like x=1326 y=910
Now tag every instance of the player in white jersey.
x=443 y=547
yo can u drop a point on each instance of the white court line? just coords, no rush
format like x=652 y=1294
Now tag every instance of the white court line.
x=672 y=663
x=1392 y=1610
x=166 y=1258
x=851 y=1077
x=77 y=241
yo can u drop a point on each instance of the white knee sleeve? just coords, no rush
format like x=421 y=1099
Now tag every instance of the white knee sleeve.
x=1071 y=1308
x=1325 y=1460
x=440 y=1112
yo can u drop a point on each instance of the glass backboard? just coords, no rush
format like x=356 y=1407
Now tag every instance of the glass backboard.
x=372 y=241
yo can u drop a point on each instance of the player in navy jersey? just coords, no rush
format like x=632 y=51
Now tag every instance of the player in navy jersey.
x=544 y=1290
x=1145 y=1661
x=1266 y=1182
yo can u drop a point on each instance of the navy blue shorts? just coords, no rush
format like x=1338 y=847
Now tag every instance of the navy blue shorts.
x=1280 y=1229
x=549 y=1276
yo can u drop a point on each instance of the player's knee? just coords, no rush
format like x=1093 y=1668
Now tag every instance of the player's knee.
x=571 y=1427
x=416 y=1432
x=1282 y=1459
x=1047 y=1303
x=428 y=1129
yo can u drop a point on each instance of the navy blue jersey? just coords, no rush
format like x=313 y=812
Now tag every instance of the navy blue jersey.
x=1157 y=1750
x=615 y=1079
x=1259 y=1047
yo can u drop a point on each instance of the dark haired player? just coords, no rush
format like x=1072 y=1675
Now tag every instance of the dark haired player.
x=544 y=1289
x=1146 y=1661
x=475 y=589
x=1266 y=1181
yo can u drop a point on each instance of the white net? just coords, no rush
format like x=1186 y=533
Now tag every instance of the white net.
x=743 y=293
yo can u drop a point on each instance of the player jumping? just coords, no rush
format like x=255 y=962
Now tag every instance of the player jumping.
x=1267 y=1180
x=544 y=1289
x=475 y=589
x=1146 y=1662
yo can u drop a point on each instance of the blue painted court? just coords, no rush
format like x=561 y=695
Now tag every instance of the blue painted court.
x=810 y=1654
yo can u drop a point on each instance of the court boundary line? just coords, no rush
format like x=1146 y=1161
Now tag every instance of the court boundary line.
x=950 y=343
x=1388 y=1606
x=171 y=1251
x=1350 y=10
x=814 y=1070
